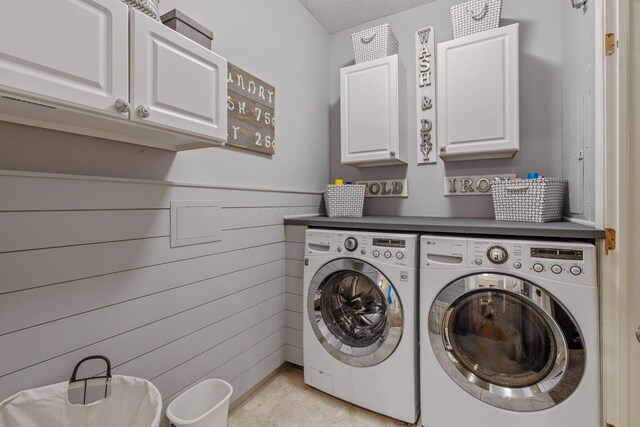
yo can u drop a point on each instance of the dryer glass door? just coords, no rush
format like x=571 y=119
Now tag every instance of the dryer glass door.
x=355 y=312
x=508 y=340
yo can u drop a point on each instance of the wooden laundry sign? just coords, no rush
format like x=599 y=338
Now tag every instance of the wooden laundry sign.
x=251 y=109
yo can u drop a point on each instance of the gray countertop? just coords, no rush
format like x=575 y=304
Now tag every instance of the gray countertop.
x=415 y=224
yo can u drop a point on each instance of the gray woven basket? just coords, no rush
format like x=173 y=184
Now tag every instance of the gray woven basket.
x=529 y=200
x=344 y=201
x=475 y=16
x=148 y=7
x=374 y=43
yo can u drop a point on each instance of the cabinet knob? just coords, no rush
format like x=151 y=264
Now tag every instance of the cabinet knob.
x=393 y=154
x=443 y=148
x=143 y=111
x=122 y=106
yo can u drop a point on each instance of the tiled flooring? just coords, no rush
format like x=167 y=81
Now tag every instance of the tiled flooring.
x=288 y=402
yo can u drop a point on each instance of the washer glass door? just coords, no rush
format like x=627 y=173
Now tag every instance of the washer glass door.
x=507 y=341
x=355 y=312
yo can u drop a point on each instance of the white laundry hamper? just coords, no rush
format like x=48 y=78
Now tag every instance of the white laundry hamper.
x=205 y=405
x=133 y=402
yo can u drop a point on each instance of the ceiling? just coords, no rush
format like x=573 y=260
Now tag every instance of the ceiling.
x=338 y=15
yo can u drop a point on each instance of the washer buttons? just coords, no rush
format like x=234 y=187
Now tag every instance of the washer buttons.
x=375 y=253
x=339 y=250
x=538 y=268
x=387 y=254
x=399 y=255
x=363 y=252
x=556 y=269
x=576 y=271
x=478 y=261
x=517 y=265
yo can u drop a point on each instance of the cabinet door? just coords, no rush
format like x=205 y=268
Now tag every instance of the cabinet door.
x=478 y=110
x=70 y=52
x=369 y=112
x=182 y=85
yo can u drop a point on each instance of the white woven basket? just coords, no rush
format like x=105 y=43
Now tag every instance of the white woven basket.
x=475 y=16
x=344 y=201
x=374 y=43
x=529 y=200
x=148 y=7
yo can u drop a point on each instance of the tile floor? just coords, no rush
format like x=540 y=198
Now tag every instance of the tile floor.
x=288 y=402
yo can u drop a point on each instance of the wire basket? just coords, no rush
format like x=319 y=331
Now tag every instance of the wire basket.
x=374 y=43
x=529 y=200
x=344 y=201
x=148 y=7
x=475 y=16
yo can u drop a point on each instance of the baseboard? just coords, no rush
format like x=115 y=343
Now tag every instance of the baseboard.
x=240 y=401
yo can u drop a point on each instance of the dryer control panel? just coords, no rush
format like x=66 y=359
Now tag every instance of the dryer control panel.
x=393 y=249
x=565 y=262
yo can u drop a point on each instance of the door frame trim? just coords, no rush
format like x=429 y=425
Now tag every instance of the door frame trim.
x=612 y=16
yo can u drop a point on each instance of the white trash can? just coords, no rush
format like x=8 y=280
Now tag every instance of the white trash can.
x=205 y=405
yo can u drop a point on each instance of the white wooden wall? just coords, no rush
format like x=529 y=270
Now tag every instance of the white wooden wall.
x=86 y=268
x=294 y=265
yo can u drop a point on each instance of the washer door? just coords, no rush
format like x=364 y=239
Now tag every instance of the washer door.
x=355 y=312
x=507 y=342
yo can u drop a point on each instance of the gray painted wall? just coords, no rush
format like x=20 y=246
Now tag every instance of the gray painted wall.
x=279 y=42
x=540 y=109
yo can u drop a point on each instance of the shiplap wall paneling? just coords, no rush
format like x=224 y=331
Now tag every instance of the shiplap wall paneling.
x=67 y=192
x=294 y=252
x=87 y=269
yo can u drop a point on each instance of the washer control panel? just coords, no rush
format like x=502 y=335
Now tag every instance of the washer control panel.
x=565 y=262
x=394 y=249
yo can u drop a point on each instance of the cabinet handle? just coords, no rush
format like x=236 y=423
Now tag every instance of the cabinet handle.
x=393 y=154
x=443 y=148
x=122 y=106
x=143 y=111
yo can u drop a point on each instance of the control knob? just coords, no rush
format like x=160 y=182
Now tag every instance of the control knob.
x=575 y=270
x=351 y=244
x=556 y=269
x=538 y=268
x=376 y=253
x=497 y=255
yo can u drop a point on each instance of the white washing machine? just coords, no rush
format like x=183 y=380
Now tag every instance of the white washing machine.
x=509 y=333
x=360 y=324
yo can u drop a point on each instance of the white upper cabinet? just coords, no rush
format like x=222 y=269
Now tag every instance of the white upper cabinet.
x=176 y=83
x=370 y=114
x=478 y=98
x=100 y=68
x=73 y=52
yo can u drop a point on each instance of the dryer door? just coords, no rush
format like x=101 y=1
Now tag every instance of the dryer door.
x=355 y=312
x=507 y=342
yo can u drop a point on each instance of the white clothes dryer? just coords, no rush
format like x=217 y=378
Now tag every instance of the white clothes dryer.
x=509 y=333
x=360 y=324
